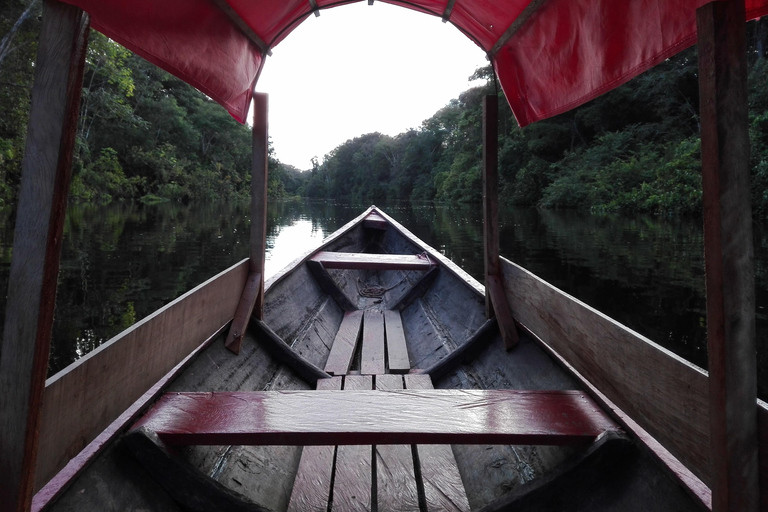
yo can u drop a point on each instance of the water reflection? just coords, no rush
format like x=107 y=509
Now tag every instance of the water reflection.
x=123 y=261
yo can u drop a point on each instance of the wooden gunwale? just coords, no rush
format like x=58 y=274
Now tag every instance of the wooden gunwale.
x=75 y=411
x=59 y=483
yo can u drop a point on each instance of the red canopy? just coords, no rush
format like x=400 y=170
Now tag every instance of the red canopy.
x=551 y=55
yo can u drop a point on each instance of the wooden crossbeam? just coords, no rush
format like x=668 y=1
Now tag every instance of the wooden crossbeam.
x=375 y=221
x=377 y=417
x=329 y=286
x=365 y=261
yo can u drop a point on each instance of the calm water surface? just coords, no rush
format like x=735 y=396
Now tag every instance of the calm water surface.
x=123 y=261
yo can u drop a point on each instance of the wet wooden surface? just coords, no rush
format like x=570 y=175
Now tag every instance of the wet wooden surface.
x=364 y=261
x=344 y=344
x=443 y=488
x=312 y=487
x=397 y=350
x=378 y=417
x=395 y=476
x=372 y=360
x=353 y=480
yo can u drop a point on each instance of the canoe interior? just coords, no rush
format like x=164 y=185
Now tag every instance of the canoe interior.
x=449 y=312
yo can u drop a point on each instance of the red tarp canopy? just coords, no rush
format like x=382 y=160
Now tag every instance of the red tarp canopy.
x=563 y=54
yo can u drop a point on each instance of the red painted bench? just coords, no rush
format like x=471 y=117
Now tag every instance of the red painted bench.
x=377 y=417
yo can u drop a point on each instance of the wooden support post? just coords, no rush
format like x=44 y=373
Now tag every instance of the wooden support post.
x=46 y=172
x=252 y=299
x=728 y=256
x=496 y=303
x=259 y=193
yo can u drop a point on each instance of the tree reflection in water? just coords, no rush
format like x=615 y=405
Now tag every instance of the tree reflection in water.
x=123 y=261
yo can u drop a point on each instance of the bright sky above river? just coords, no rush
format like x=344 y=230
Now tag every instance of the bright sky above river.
x=358 y=69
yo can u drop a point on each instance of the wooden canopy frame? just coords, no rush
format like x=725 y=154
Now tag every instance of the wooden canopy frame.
x=728 y=247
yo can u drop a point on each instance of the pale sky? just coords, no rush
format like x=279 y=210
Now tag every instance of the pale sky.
x=358 y=69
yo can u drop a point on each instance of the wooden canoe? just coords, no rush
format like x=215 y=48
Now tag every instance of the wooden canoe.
x=375 y=382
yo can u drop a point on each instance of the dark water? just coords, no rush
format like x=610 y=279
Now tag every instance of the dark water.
x=123 y=261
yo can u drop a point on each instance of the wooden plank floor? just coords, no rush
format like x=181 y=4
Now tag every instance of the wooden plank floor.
x=443 y=488
x=312 y=487
x=344 y=344
x=372 y=360
x=353 y=481
x=396 y=488
x=397 y=351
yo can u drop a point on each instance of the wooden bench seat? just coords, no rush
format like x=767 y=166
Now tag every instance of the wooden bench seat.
x=365 y=261
x=377 y=417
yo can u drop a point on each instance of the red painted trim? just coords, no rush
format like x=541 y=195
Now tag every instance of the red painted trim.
x=377 y=417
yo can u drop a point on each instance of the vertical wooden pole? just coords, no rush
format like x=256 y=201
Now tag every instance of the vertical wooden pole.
x=46 y=172
x=490 y=193
x=259 y=193
x=496 y=303
x=728 y=256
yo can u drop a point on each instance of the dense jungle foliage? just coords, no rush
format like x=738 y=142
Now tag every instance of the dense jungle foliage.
x=145 y=134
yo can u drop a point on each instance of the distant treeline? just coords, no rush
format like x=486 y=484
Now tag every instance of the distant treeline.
x=636 y=148
x=144 y=134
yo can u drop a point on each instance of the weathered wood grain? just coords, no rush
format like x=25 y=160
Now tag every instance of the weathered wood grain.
x=728 y=255
x=282 y=352
x=416 y=291
x=46 y=173
x=372 y=360
x=344 y=344
x=243 y=312
x=76 y=409
x=375 y=221
x=396 y=488
x=466 y=352
x=329 y=286
x=665 y=394
x=259 y=179
x=377 y=417
x=397 y=350
x=443 y=489
x=353 y=480
x=366 y=261
x=495 y=301
x=312 y=487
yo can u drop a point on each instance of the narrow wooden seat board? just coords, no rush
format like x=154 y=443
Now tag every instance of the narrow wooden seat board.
x=372 y=356
x=312 y=487
x=396 y=488
x=353 y=482
x=412 y=416
x=443 y=488
x=366 y=261
x=344 y=344
x=397 y=351
x=375 y=221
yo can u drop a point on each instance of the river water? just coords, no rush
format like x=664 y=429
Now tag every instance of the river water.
x=123 y=261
